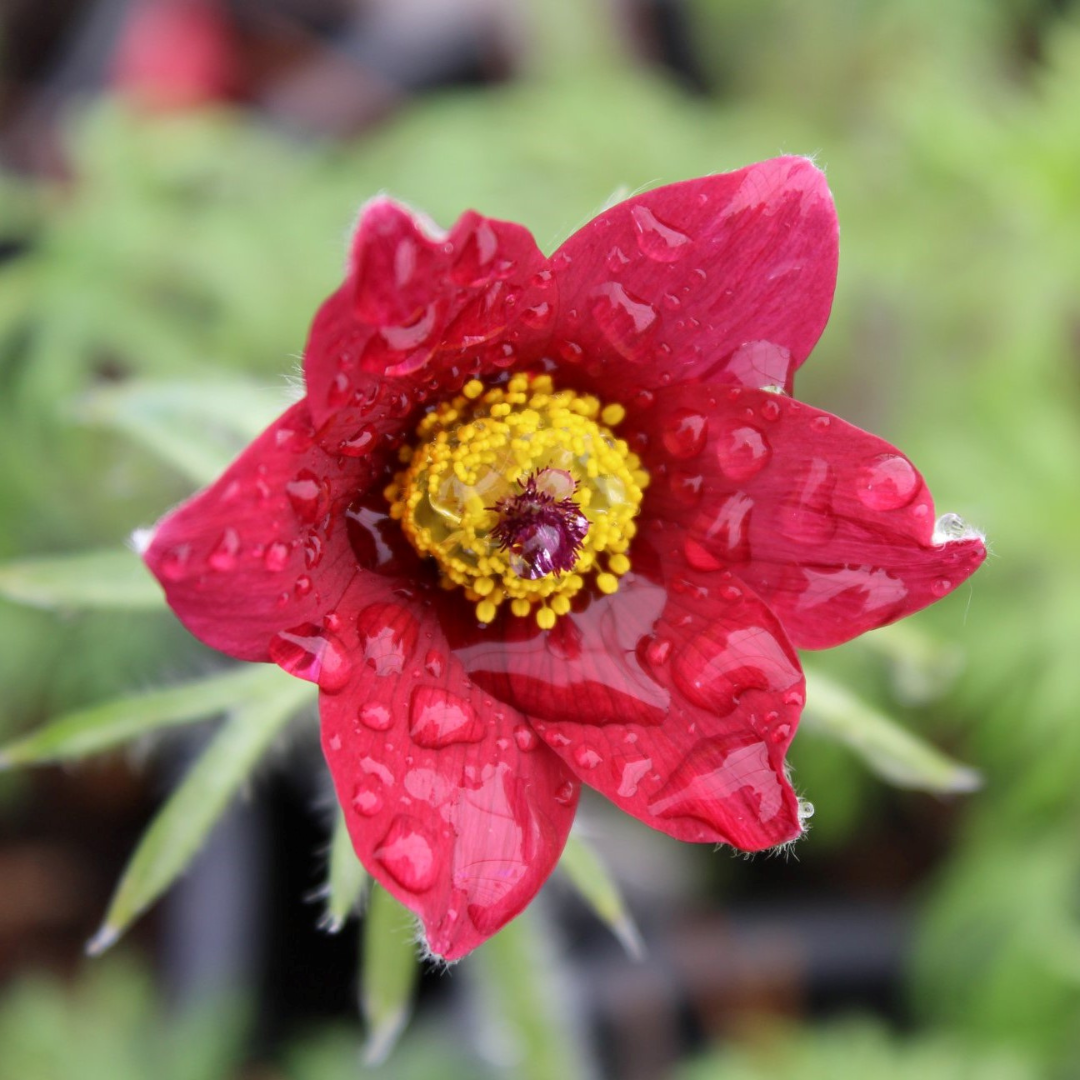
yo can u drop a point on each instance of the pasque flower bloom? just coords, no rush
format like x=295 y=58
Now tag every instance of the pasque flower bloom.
x=541 y=522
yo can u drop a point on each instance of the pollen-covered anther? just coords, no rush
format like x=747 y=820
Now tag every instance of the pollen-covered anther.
x=516 y=490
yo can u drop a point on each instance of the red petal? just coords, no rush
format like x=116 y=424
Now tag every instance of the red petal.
x=273 y=544
x=452 y=802
x=831 y=526
x=428 y=311
x=676 y=697
x=727 y=279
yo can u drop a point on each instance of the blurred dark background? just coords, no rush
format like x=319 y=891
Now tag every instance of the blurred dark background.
x=176 y=181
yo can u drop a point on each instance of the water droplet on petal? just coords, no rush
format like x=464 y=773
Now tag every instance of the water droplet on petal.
x=538 y=316
x=434 y=663
x=525 y=738
x=408 y=855
x=276 y=556
x=685 y=433
x=941 y=586
x=309 y=496
x=806 y=516
x=375 y=715
x=174 y=562
x=387 y=637
x=586 y=757
x=656 y=240
x=359 y=444
x=742 y=451
x=886 y=482
x=718 y=783
x=953 y=527
x=806 y=810
x=564 y=796
x=633 y=773
x=311 y=653
x=366 y=801
x=622 y=318
x=223 y=557
x=724 y=530
x=438 y=718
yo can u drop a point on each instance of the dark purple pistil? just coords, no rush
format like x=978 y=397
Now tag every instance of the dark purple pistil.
x=542 y=534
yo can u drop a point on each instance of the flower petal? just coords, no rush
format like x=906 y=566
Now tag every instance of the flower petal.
x=831 y=526
x=452 y=802
x=273 y=544
x=676 y=697
x=725 y=279
x=425 y=310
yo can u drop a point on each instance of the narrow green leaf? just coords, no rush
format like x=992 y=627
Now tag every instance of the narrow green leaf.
x=196 y=427
x=113 y=578
x=345 y=880
x=390 y=972
x=102 y=727
x=583 y=866
x=890 y=750
x=180 y=827
x=522 y=989
x=922 y=669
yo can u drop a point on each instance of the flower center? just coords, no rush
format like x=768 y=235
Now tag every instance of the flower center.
x=520 y=492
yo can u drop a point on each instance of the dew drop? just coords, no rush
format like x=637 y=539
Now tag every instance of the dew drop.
x=724 y=530
x=655 y=240
x=586 y=757
x=408 y=855
x=375 y=715
x=622 y=318
x=276 y=556
x=223 y=557
x=685 y=433
x=742 y=451
x=309 y=496
x=821 y=423
x=434 y=663
x=807 y=516
x=771 y=410
x=366 y=801
x=339 y=391
x=302 y=587
x=525 y=738
x=886 y=482
x=311 y=653
x=941 y=586
x=565 y=793
x=359 y=444
x=538 y=316
x=174 y=562
x=633 y=773
x=616 y=259
x=438 y=718
x=387 y=637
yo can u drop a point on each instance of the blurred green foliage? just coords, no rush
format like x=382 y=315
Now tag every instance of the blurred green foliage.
x=197 y=248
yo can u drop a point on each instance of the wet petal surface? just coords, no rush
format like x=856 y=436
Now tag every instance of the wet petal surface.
x=448 y=806
x=676 y=697
x=725 y=279
x=831 y=526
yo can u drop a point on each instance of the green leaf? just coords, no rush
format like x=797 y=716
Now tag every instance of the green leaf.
x=113 y=578
x=180 y=827
x=389 y=974
x=345 y=880
x=583 y=866
x=521 y=987
x=102 y=727
x=198 y=427
x=891 y=751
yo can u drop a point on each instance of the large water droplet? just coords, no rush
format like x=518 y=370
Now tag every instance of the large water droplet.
x=886 y=482
x=375 y=715
x=360 y=443
x=408 y=854
x=366 y=800
x=742 y=451
x=724 y=530
x=622 y=318
x=314 y=654
x=718 y=783
x=223 y=557
x=633 y=773
x=806 y=516
x=387 y=637
x=438 y=718
x=376 y=540
x=656 y=240
x=309 y=496
x=685 y=433
x=587 y=757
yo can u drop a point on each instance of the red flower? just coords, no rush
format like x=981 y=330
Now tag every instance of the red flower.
x=463 y=398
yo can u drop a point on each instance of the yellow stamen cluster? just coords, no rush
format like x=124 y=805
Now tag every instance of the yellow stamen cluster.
x=480 y=448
